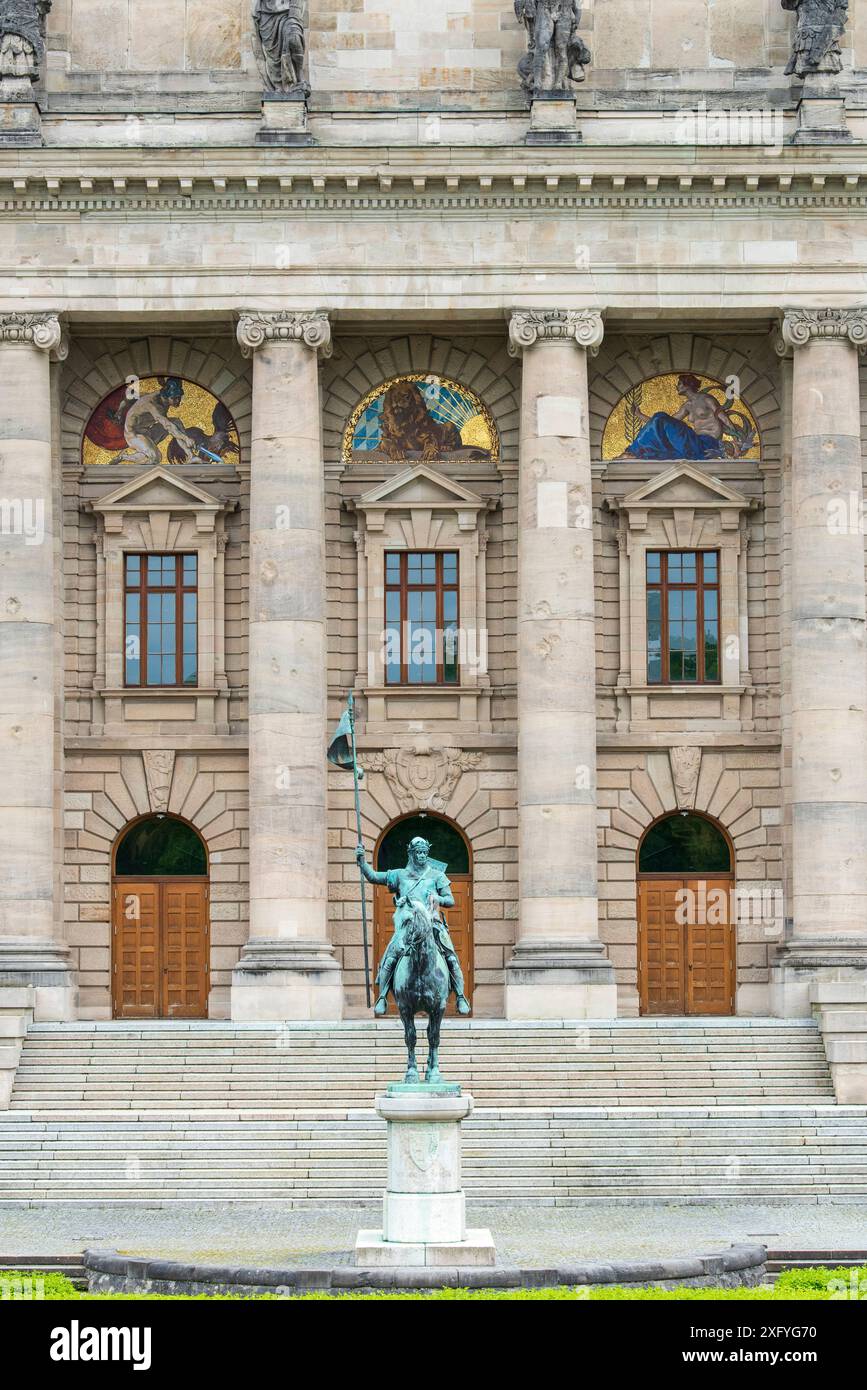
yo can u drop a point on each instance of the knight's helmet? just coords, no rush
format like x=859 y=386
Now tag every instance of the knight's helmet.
x=421 y=841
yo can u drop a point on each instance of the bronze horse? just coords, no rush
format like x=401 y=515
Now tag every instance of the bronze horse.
x=421 y=985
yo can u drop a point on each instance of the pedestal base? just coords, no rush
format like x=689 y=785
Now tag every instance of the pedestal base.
x=801 y=965
x=424 y=1208
x=280 y=981
x=549 y=980
x=284 y=119
x=20 y=117
x=822 y=113
x=44 y=968
x=554 y=120
x=373 y=1251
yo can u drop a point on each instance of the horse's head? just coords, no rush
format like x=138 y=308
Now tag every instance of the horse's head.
x=419 y=928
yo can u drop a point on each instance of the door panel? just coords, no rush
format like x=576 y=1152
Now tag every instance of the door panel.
x=661 y=947
x=685 y=968
x=135 y=939
x=459 y=920
x=185 y=950
x=710 y=951
x=161 y=949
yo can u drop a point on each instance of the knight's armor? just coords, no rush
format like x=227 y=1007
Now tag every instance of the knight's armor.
x=417 y=886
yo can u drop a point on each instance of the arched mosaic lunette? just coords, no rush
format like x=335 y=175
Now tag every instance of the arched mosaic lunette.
x=480 y=363
x=96 y=366
x=625 y=362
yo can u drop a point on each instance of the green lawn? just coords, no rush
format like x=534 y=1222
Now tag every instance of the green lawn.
x=799 y=1285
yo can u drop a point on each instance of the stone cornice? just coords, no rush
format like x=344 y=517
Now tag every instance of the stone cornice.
x=258 y=327
x=803 y=326
x=42 y=331
x=187 y=189
x=530 y=326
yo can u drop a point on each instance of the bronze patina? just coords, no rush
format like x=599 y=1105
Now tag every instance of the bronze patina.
x=420 y=965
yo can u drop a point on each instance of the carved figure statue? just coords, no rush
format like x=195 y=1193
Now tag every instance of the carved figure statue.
x=22 y=37
x=556 y=53
x=279 y=26
x=821 y=25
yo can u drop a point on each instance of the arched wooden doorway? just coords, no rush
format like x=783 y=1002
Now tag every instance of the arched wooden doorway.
x=686 y=918
x=160 y=933
x=449 y=846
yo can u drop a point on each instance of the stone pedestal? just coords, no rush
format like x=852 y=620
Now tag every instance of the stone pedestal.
x=424 y=1217
x=284 y=120
x=20 y=117
x=822 y=113
x=31 y=952
x=827 y=942
x=554 y=120
x=287 y=969
x=559 y=968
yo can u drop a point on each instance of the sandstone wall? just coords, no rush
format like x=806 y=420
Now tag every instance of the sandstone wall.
x=469 y=46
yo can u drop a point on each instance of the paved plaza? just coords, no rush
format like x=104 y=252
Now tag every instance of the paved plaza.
x=528 y=1234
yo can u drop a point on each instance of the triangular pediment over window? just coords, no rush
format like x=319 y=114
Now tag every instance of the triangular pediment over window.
x=157 y=489
x=420 y=487
x=685 y=486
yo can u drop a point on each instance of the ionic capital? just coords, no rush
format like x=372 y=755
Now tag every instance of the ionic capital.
x=530 y=326
x=42 y=331
x=803 y=326
x=310 y=327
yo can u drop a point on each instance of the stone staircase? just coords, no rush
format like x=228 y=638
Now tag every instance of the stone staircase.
x=629 y=1109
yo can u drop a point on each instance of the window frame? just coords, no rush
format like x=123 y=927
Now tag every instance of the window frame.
x=180 y=589
x=404 y=588
x=664 y=586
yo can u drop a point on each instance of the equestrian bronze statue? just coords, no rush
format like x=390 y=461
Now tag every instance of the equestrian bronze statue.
x=420 y=965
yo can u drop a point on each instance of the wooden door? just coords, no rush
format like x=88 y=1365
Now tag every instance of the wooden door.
x=710 y=950
x=458 y=918
x=136 y=951
x=685 y=968
x=161 y=948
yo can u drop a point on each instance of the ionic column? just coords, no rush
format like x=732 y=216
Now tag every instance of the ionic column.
x=287 y=968
x=31 y=951
x=559 y=968
x=827 y=936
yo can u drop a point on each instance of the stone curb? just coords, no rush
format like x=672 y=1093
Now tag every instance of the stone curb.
x=109 y=1271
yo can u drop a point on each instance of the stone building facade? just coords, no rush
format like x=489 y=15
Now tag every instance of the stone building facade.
x=540 y=274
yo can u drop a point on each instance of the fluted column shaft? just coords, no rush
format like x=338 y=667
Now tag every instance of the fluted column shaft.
x=559 y=968
x=287 y=969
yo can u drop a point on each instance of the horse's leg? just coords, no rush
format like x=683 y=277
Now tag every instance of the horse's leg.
x=432 y=1074
x=409 y=1034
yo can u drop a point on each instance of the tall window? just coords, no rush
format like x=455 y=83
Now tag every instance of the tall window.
x=682 y=616
x=421 y=617
x=161 y=619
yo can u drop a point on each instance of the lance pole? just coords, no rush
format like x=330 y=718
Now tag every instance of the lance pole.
x=351 y=706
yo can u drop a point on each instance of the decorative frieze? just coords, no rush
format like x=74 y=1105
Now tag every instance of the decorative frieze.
x=801 y=326
x=43 y=331
x=284 y=326
x=530 y=326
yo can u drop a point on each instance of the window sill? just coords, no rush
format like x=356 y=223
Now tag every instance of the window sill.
x=688 y=688
x=155 y=691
